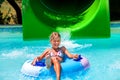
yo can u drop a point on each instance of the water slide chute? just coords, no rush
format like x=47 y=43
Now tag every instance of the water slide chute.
x=83 y=19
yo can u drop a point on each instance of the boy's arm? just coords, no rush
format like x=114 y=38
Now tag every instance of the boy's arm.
x=43 y=54
x=69 y=54
x=38 y=58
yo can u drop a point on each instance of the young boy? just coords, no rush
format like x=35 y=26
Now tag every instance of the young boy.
x=55 y=53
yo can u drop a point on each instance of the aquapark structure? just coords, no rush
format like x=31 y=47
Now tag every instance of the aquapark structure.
x=83 y=19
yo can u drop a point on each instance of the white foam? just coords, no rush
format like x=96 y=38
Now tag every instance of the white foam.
x=65 y=35
x=65 y=40
x=13 y=54
x=115 y=65
x=72 y=44
x=17 y=53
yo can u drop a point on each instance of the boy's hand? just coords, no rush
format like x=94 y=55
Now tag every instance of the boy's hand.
x=75 y=56
x=34 y=61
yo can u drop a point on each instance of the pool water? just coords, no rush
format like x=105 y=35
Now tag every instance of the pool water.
x=103 y=55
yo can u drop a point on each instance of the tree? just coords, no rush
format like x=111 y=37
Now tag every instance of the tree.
x=1 y=20
x=17 y=9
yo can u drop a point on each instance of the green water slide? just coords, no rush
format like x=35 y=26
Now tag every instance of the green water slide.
x=83 y=19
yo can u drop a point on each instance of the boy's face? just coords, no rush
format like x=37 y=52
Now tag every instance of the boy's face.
x=55 y=43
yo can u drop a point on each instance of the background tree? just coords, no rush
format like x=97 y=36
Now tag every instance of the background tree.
x=1 y=19
x=17 y=9
x=5 y=18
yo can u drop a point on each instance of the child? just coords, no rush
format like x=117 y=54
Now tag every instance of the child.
x=55 y=54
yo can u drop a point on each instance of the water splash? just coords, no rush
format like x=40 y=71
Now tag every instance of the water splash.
x=65 y=41
x=65 y=35
x=17 y=53
x=115 y=66
x=13 y=54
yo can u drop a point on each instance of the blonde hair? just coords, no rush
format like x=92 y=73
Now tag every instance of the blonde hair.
x=55 y=35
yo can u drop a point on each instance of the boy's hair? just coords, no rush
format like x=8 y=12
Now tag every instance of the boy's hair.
x=55 y=35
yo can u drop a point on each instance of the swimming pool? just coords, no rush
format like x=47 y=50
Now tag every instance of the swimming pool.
x=103 y=54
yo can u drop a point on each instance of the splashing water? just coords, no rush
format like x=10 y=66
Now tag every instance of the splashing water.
x=65 y=41
x=65 y=35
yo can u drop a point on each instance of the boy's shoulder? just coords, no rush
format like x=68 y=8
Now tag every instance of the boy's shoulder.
x=48 y=49
x=63 y=48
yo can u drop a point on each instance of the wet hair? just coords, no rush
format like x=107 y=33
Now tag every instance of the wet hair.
x=54 y=36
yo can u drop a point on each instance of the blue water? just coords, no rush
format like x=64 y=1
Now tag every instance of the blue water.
x=103 y=55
